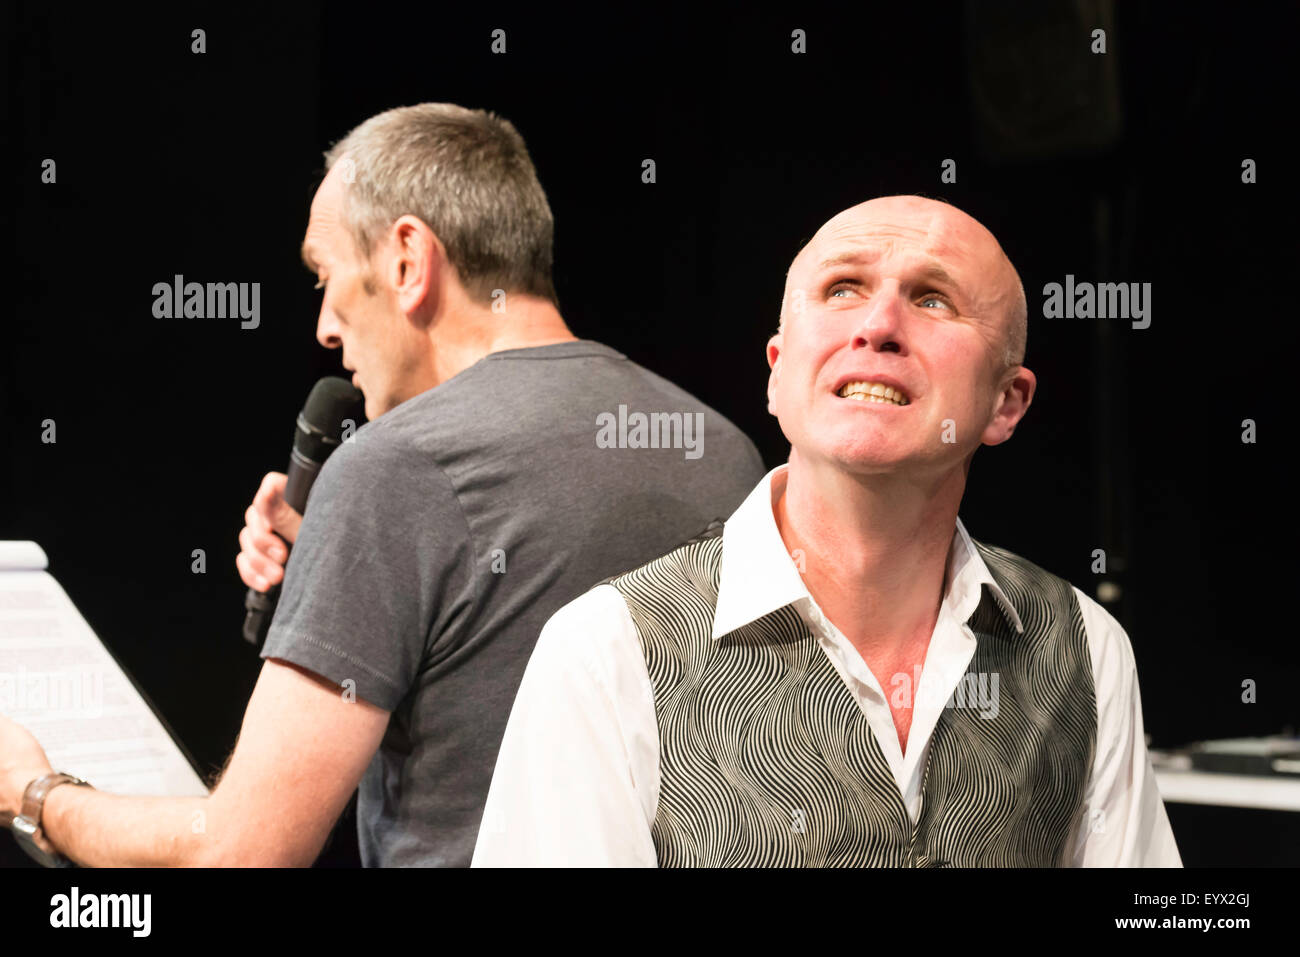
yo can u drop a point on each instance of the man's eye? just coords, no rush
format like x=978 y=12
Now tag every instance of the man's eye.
x=839 y=287
x=939 y=299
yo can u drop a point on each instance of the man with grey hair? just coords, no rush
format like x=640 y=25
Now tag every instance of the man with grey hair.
x=843 y=676
x=478 y=500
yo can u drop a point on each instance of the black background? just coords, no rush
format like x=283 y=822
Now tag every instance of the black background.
x=171 y=162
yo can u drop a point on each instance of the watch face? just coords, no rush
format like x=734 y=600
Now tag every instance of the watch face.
x=26 y=842
x=25 y=834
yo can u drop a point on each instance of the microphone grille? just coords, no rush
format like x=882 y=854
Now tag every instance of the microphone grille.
x=332 y=400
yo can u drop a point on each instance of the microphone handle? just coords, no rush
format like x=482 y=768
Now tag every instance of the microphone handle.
x=260 y=605
x=301 y=477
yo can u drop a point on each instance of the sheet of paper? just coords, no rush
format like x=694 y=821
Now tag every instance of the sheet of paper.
x=22 y=556
x=59 y=681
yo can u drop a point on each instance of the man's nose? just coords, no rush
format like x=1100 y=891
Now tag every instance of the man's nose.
x=882 y=319
x=327 y=329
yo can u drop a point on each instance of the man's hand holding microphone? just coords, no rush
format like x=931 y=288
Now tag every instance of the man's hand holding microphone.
x=270 y=527
x=271 y=523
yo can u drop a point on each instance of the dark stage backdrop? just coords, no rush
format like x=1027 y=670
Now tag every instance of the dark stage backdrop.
x=1124 y=166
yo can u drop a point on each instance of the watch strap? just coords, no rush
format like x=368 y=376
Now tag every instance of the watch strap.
x=34 y=796
x=27 y=825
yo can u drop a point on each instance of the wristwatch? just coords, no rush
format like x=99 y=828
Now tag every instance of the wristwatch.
x=27 y=825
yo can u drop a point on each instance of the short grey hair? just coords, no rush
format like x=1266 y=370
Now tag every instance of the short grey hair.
x=468 y=176
x=1017 y=327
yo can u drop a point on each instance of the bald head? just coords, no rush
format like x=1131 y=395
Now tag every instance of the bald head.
x=948 y=244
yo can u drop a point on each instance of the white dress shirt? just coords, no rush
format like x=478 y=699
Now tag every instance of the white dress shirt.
x=577 y=777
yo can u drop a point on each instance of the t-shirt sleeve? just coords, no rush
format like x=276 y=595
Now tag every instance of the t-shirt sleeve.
x=378 y=575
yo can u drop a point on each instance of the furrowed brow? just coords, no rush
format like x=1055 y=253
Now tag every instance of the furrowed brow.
x=938 y=273
x=932 y=269
x=846 y=259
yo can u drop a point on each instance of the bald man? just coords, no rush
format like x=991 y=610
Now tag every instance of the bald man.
x=841 y=675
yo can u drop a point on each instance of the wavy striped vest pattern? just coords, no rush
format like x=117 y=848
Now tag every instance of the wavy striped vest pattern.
x=766 y=760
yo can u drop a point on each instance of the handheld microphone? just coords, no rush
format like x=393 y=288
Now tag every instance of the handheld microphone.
x=316 y=436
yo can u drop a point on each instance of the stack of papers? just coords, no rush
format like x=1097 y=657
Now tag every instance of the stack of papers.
x=59 y=681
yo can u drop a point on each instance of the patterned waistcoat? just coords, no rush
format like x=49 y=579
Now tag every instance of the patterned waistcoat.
x=766 y=760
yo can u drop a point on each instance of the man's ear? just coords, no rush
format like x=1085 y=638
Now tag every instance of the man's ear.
x=416 y=265
x=1013 y=402
x=774 y=346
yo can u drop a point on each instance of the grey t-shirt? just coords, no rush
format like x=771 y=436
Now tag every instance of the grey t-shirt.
x=440 y=538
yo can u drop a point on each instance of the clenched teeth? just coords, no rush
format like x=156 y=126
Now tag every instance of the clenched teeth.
x=872 y=392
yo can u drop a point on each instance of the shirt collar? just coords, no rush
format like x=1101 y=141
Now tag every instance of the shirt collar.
x=758 y=576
